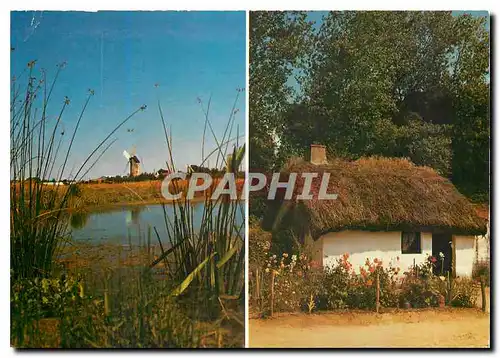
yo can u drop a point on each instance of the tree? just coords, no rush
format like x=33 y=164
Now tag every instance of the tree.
x=279 y=45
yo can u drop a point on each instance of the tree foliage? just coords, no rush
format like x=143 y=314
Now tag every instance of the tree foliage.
x=279 y=43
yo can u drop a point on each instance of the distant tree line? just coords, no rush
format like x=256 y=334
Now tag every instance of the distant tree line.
x=160 y=175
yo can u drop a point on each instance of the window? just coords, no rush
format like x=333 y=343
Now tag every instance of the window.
x=410 y=243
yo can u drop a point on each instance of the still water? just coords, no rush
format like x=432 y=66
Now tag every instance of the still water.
x=129 y=225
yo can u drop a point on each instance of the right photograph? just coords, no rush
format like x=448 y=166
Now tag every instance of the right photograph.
x=369 y=179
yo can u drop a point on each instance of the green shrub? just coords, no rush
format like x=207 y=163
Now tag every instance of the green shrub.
x=259 y=243
x=336 y=282
x=481 y=269
x=39 y=298
x=418 y=293
x=46 y=296
x=464 y=292
x=294 y=282
x=140 y=315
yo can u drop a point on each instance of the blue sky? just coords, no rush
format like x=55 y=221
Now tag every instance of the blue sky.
x=121 y=56
x=317 y=18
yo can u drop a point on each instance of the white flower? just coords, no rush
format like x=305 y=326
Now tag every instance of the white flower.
x=294 y=257
x=441 y=255
x=267 y=269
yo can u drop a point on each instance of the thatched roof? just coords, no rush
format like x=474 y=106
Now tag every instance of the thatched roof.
x=383 y=194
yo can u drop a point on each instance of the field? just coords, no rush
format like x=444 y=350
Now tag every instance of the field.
x=129 y=193
x=132 y=193
x=437 y=328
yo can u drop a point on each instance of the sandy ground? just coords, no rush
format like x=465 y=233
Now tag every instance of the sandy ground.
x=416 y=328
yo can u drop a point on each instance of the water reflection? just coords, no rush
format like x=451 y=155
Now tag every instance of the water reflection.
x=78 y=220
x=132 y=225
x=132 y=216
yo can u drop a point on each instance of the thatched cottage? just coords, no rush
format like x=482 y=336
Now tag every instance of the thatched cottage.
x=386 y=208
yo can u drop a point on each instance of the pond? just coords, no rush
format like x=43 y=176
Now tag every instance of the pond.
x=131 y=225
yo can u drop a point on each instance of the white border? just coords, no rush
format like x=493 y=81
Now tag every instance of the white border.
x=247 y=166
x=93 y=5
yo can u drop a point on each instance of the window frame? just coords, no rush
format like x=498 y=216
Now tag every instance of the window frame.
x=419 y=240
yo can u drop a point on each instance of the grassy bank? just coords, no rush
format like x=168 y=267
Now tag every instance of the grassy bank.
x=105 y=195
x=116 y=194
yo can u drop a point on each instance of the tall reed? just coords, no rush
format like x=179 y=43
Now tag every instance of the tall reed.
x=207 y=260
x=38 y=226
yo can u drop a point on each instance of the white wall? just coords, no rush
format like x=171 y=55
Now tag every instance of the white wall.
x=464 y=255
x=361 y=245
x=366 y=244
x=482 y=246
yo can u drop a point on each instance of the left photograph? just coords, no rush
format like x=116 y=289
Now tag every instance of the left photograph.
x=127 y=165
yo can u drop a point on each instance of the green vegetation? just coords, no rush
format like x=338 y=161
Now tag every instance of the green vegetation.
x=130 y=310
x=303 y=285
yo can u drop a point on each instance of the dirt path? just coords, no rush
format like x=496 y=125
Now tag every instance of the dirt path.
x=428 y=328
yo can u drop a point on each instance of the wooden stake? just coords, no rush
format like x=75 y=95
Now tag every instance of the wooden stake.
x=272 y=292
x=106 y=303
x=257 y=284
x=483 y=294
x=377 y=303
x=219 y=339
x=449 y=287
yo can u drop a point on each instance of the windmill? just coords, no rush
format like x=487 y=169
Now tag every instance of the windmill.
x=133 y=162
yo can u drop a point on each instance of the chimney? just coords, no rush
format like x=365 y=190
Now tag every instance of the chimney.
x=318 y=154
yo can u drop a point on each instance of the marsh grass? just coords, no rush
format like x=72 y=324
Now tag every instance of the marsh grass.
x=209 y=259
x=37 y=226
